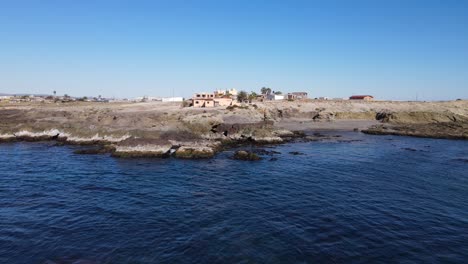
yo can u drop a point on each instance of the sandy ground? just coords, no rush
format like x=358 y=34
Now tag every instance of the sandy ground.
x=457 y=107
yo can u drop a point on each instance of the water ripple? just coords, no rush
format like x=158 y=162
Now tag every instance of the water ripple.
x=368 y=200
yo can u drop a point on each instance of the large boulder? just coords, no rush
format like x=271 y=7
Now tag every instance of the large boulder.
x=246 y=155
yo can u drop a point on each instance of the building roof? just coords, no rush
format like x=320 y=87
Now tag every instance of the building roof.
x=360 y=96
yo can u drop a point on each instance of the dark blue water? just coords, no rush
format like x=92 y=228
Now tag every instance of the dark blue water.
x=382 y=199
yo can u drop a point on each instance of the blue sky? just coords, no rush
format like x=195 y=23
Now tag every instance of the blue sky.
x=390 y=49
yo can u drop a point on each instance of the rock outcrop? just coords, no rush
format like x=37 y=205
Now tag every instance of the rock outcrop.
x=421 y=124
x=194 y=152
x=420 y=117
x=136 y=148
x=448 y=130
x=246 y=155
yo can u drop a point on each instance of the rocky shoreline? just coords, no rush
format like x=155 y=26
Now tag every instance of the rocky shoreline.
x=168 y=130
x=198 y=148
x=421 y=124
x=438 y=131
x=172 y=144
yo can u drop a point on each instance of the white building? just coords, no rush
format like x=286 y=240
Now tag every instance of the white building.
x=5 y=97
x=172 y=99
x=158 y=99
x=274 y=97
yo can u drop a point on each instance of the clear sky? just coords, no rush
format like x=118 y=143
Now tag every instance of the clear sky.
x=391 y=49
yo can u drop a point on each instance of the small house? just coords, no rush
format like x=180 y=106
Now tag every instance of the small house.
x=362 y=97
x=274 y=97
x=297 y=96
x=210 y=100
x=203 y=100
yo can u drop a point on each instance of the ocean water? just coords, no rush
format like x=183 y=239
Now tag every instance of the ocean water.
x=375 y=199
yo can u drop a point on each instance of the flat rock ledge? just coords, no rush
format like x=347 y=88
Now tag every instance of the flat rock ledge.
x=181 y=144
x=447 y=130
x=142 y=151
x=159 y=148
x=55 y=134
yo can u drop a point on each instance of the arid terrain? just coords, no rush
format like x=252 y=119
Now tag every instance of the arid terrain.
x=163 y=129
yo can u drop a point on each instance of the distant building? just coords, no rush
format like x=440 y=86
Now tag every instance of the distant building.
x=172 y=99
x=152 y=99
x=271 y=96
x=297 y=96
x=210 y=100
x=203 y=103
x=158 y=99
x=116 y=100
x=231 y=92
x=146 y=99
x=362 y=97
x=274 y=97
x=5 y=98
x=223 y=101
